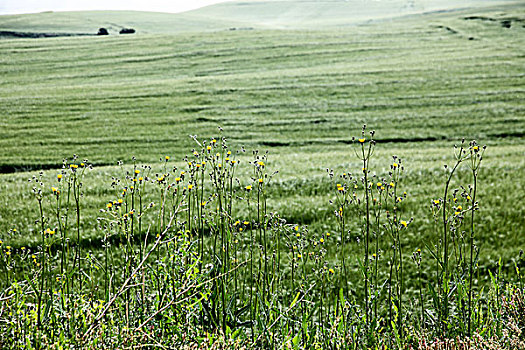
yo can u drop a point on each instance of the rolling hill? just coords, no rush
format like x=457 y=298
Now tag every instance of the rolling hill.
x=246 y=14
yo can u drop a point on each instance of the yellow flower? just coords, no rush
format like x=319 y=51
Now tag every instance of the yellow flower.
x=475 y=148
x=328 y=234
x=296 y=228
x=468 y=197
x=246 y=222
x=167 y=158
x=203 y=204
x=321 y=240
x=460 y=207
x=120 y=201
x=362 y=140
x=109 y=205
x=54 y=189
x=331 y=271
x=404 y=223
x=260 y=181
x=248 y=188
x=298 y=235
x=392 y=184
x=299 y=256
x=208 y=148
x=395 y=165
x=137 y=171
x=190 y=186
x=59 y=177
x=379 y=184
x=177 y=179
x=229 y=153
x=141 y=178
x=213 y=141
x=261 y=164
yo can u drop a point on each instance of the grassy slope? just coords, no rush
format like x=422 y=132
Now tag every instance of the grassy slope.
x=269 y=14
x=306 y=92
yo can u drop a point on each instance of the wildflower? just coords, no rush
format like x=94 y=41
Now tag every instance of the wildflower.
x=177 y=179
x=298 y=235
x=229 y=153
x=137 y=171
x=328 y=234
x=213 y=141
x=82 y=165
x=59 y=177
x=455 y=199
x=236 y=223
x=261 y=164
x=141 y=179
x=190 y=186
x=195 y=153
x=109 y=205
x=395 y=165
x=54 y=189
x=208 y=148
x=331 y=271
x=203 y=204
x=248 y=188
x=468 y=198
x=436 y=201
x=321 y=240
x=167 y=158
x=246 y=223
x=475 y=148
x=392 y=184
x=404 y=223
x=362 y=140
x=379 y=184
x=218 y=155
x=160 y=179
x=399 y=199
x=460 y=207
x=73 y=166
x=296 y=228
x=260 y=181
x=120 y=201
x=299 y=256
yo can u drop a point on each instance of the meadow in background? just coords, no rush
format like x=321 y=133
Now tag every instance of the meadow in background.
x=422 y=82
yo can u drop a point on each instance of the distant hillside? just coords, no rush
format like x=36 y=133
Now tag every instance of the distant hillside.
x=247 y=14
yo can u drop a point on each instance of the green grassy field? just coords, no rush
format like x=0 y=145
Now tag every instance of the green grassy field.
x=301 y=95
x=422 y=81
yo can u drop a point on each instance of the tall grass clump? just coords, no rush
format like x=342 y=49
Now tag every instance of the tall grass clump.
x=192 y=255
